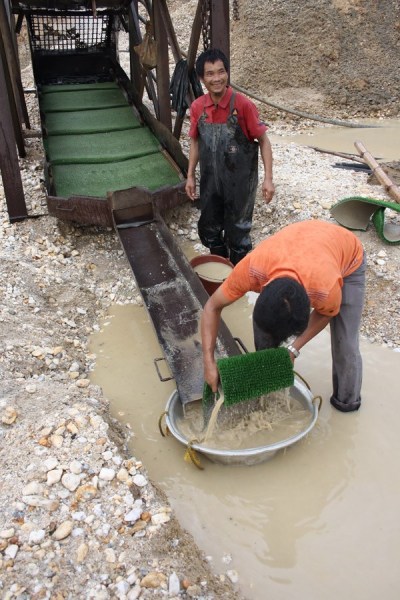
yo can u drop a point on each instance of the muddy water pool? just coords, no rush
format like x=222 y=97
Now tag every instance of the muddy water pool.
x=317 y=521
x=382 y=140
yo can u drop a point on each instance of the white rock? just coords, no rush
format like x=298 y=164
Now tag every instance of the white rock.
x=132 y=576
x=139 y=480
x=54 y=476
x=133 y=515
x=7 y=533
x=106 y=474
x=79 y=515
x=76 y=467
x=37 y=536
x=57 y=440
x=97 y=510
x=122 y=587
x=110 y=555
x=32 y=488
x=11 y=551
x=174 y=585
x=134 y=593
x=70 y=481
x=233 y=575
x=63 y=494
x=38 y=501
x=160 y=518
x=129 y=500
x=50 y=463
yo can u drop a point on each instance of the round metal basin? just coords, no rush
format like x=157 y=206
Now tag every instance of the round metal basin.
x=248 y=456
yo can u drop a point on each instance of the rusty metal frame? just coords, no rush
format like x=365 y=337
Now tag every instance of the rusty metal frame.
x=13 y=108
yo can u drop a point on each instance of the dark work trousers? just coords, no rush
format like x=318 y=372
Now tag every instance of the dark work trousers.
x=228 y=185
x=346 y=356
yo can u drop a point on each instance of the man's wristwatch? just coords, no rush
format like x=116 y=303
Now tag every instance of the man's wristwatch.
x=293 y=350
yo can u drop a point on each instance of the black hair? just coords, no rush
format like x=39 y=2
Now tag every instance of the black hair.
x=281 y=310
x=211 y=55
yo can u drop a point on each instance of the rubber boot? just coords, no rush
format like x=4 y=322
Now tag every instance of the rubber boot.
x=236 y=257
x=219 y=251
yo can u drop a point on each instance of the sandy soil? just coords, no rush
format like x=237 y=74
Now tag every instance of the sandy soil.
x=80 y=519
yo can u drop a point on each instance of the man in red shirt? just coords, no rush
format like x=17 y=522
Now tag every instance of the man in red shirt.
x=223 y=130
x=310 y=263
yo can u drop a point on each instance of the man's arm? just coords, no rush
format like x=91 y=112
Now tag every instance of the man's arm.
x=317 y=323
x=210 y=321
x=268 y=188
x=190 y=187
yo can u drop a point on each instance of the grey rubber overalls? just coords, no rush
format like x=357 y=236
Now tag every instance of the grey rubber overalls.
x=228 y=185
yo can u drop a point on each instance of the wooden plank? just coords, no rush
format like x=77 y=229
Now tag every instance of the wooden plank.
x=220 y=26
x=9 y=166
x=391 y=188
x=138 y=75
x=13 y=65
x=11 y=100
x=162 y=68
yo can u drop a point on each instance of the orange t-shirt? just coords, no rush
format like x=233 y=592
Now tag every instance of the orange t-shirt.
x=315 y=253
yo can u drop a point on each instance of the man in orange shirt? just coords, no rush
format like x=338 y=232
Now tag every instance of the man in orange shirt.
x=307 y=264
x=223 y=128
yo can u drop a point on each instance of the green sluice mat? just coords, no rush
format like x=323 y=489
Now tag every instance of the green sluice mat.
x=100 y=147
x=91 y=121
x=152 y=172
x=248 y=376
x=73 y=87
x=81 y=100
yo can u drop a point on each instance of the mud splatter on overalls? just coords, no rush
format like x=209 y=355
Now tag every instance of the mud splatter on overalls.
x=228 y=185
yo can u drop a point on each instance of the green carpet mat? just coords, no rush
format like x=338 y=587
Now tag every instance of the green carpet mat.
x=111 y=146
x=356 y=213
x=91 y=121
x=249 y=376
x=95 y=144
x=73 y=87
x=152 y=172
x=82 y=100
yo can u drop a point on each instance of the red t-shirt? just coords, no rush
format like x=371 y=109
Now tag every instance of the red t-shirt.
x=317 y=254
x=247 y=114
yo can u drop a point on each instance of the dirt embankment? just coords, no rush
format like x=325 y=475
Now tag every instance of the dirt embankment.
x=337 y=57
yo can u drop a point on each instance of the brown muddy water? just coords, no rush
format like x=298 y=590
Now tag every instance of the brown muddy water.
x=382 y=140
x=319 y=520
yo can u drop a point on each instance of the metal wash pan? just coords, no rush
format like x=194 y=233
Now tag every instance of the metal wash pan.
x=174 y=413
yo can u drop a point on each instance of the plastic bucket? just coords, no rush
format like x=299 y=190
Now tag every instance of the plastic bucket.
x=212 y=275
